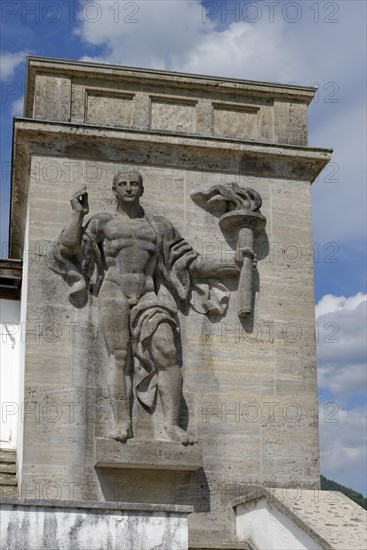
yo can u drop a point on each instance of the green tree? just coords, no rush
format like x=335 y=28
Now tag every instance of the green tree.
x=329 y=485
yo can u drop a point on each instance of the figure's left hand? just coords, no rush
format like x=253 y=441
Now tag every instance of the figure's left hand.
x=246 y=252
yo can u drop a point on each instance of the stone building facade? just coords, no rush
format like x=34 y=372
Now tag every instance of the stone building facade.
x=249 y=382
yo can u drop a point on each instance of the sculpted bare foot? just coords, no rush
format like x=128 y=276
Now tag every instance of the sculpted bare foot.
x=121 y=433
x=175 y=433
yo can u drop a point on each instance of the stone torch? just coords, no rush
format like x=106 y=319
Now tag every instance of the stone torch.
x=239 y=210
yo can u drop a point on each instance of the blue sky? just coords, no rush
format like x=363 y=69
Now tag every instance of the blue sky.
x=309 y=43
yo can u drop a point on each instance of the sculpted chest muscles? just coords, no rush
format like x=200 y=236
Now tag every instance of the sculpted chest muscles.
x=130 y=247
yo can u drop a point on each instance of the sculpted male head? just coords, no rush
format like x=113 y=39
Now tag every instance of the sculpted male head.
x=127 y=185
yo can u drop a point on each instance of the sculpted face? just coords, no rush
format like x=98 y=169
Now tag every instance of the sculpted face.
x=128 y=187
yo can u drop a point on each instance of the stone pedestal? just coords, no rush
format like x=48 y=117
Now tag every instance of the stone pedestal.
x=148 y=455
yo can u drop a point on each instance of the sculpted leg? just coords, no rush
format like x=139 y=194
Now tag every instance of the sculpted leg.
x=114 y=311
x=169 y=382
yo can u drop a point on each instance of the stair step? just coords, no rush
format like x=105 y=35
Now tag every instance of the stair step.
x=8 y=483
x=7 y=468
x=8 y=479
x=8 y=491
x=7 y=456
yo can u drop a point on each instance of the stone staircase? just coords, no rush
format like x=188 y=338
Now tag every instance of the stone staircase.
x=8 y=477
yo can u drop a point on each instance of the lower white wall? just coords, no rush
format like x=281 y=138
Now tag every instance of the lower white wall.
x=269 y=529
x=45 y=527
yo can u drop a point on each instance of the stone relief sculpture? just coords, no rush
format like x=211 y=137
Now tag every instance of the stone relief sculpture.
x=239 y=209
x=143 y=272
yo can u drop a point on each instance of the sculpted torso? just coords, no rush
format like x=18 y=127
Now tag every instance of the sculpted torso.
x=130 y=248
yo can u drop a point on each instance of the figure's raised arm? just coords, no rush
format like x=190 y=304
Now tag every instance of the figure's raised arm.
x=71 y=236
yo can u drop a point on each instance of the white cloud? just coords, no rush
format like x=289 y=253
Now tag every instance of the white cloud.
x=341 y=353
x=161 y=37
x=17 y=107
x=326 y=46
x=9 y=62
x=341 y=346
x=343 y=380
x=331 y=304
x=255 y=52
x=179 y=36
x=343 y=445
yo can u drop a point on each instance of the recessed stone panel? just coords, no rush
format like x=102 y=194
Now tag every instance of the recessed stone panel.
x=109 y=108
x=236 y=121
x=175 y=116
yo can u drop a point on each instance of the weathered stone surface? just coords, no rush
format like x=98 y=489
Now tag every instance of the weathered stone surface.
x=172 y=115
x=111 y=109
x=298 y=518
x=173 y=101
x=290 y=122
x=53 y=97
x=234 y=120
x=47 y=525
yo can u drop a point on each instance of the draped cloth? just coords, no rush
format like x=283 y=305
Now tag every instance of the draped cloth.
x=175 y=288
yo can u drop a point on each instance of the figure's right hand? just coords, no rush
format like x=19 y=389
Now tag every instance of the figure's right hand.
x=79 y=201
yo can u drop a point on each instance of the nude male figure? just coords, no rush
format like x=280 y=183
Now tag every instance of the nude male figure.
x=130 y=248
